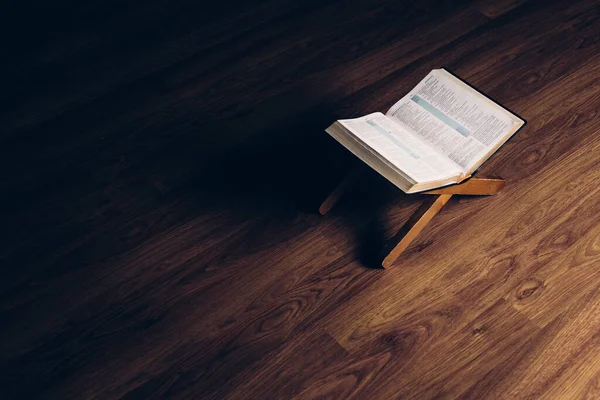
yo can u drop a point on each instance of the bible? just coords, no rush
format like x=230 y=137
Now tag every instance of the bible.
x=436 y=135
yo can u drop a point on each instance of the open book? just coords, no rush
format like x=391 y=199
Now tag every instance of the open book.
x=436 y=135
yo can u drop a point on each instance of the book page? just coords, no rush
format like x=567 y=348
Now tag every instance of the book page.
x=458 y=121
x=398 y=146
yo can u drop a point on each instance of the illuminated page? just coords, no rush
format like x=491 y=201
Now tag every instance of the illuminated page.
x=401 y=148
x=458 y=121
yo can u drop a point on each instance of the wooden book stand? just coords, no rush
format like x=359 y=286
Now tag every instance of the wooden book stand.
x=430 y=207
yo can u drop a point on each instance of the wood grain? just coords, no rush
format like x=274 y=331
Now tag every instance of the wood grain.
x=162 y=161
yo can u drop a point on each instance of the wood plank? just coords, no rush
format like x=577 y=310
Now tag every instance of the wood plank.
x=560 y=363
x=156 y=161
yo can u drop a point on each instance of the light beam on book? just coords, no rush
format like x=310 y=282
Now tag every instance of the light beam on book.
x=436 y=135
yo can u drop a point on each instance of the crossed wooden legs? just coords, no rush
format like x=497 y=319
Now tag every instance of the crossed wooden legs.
x=424 y=214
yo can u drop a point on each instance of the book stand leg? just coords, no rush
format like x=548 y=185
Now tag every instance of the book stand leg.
x=430 y=207
x=350 y=180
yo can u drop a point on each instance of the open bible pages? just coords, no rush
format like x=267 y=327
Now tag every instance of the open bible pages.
x=403 y=149
x=455 y=119
x=396 y=153
x=436 y=135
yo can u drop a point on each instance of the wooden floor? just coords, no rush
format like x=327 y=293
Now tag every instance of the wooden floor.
x=162 y=163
